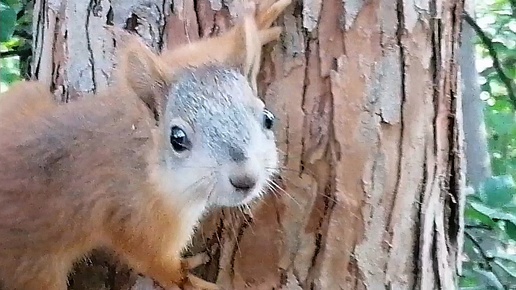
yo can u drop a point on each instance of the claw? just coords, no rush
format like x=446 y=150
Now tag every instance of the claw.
x=193 y=282
x=200 y=284
x=195 y=261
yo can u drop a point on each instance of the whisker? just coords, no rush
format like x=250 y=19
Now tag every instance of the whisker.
x=249 y=210
x=273 y=190
x=277 y=187
x=213 y=186
x=245 y=217
x=217 y=234
x=329 y=197
x=318 y=193
x=297 y=171
x=192 y=187
x=282 y=169
x=195 y=183
x=235 y=233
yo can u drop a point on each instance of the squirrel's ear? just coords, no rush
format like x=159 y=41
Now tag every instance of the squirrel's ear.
x=248 y=46
x=140 y=70
x=267 y=14
x=254 y=32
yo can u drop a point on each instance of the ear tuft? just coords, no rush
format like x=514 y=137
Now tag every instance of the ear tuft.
x=268 y=13
x=256 y=31
x=248 y=47
x=239 y=48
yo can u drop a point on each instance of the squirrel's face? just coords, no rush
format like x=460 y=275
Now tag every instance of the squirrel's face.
x=220 y=148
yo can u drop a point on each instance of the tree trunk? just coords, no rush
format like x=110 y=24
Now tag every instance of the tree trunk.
x=475 y=136
x=370 y=117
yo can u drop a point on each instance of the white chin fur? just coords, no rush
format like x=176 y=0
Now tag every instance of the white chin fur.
x=228 y=197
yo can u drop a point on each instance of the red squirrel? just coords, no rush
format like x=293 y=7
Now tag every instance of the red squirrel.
x=134 y=167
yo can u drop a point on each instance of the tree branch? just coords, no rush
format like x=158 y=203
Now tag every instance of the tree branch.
x=23 y=34
x=480 y=249
x=481 y=227
x=487 y=259
x=22 y=11
x=21 y=52
x=513 y=7
x=494 y=55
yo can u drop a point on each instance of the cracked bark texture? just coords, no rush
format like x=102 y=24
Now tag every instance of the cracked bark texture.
x=370 y=124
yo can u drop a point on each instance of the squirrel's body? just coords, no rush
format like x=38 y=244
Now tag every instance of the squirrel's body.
x=60 y=203
x=79 y=190
x=132 y=168
x=26 y=100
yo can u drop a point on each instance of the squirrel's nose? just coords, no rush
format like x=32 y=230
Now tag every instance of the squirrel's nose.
x=243 y=182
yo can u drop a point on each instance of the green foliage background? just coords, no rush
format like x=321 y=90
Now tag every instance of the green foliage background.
x=490 y=236
x=15 y=39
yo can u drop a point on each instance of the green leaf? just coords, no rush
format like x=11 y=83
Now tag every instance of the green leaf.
x=9 y=71
x=503 y=122
x=489 y=278
x=501 y=105
x=14 y=4
x=511 y=72
x=473 y=215
x=510 y=229
x=494 y=213
x=498 y=191
x=469 y=278
x=509 y=269
x=7 y=22
x=507 y=257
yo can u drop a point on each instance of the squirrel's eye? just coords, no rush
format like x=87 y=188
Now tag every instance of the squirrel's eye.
x=179 y=140
x=268 y=119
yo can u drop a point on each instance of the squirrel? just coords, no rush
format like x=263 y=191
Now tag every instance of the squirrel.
x=134 y=167
x=24 y=100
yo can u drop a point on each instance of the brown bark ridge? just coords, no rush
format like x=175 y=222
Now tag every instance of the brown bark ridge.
x=370 y=126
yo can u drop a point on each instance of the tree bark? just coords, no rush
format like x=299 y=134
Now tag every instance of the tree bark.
x=370 y=116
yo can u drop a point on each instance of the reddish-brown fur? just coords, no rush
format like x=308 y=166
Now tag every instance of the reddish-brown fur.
x=240 y=46
x=27 y=99
x=81 y=171
x=40 y=190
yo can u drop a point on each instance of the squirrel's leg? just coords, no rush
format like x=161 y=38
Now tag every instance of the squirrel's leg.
x=152 y=245
x=151 y=257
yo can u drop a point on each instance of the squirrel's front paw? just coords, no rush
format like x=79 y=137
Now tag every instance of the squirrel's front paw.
x=190 y=281
x=195 y=261
x=196 y=283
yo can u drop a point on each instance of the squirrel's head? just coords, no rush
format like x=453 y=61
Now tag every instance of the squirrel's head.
x=220 y=145
x=216 y=146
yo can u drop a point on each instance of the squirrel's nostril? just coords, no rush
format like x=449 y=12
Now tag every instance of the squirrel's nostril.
x=243 y=182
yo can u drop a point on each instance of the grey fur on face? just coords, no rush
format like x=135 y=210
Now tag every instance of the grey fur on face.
x=220 y=116
x=230 y=147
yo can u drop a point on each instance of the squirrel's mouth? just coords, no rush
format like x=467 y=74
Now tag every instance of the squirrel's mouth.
x=227 y=194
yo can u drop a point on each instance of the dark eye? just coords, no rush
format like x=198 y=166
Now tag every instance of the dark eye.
x=268 y=119
x=179 y=140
